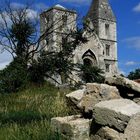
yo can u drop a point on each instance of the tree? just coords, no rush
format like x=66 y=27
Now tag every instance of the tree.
x=21 y=38
x=17 y=32
x=14 y=77
x=134 y=74
x=91 y=74
x=18 y=36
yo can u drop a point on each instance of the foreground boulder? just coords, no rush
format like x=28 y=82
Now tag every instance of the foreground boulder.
x=137 y=100
x=72 y=127
x=96 y=93
x=132 y=131
x=106 y=133
x=138 y=81
x=76 y=96
x=115 y=113
x=128 y=88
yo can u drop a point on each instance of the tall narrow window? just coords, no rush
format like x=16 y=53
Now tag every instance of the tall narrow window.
x=64 y=20
x=107 y=29
x=107 y=50
x=107 y=66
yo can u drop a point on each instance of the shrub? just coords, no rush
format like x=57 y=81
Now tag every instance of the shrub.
x=13 y=77
x=36 y=72
x=134 y=74
x=90 y=74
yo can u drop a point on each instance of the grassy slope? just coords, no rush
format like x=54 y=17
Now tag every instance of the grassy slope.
x=26 y=115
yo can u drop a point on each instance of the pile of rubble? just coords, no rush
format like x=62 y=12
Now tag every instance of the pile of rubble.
x=109 y=111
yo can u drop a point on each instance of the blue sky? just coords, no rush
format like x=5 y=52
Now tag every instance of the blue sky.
x=128 y=26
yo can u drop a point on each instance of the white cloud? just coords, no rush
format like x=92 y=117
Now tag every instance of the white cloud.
x=5 y=56
x=5 y=15
x=133 y=42
x=4 y=64
x=77 y=1
x=41 y=6
x=37 y=6
x=122 y=72
x=32 y=14
x=16 y=5
x=137 y=8
x=131 y=63
x=5 y=59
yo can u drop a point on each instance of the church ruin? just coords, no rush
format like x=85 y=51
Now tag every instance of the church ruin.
x=101 y=49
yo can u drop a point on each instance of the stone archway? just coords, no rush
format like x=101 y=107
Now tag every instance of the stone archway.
x=89 y=59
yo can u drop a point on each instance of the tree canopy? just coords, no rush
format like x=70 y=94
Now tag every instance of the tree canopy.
x=21 y=38
x=134 y=74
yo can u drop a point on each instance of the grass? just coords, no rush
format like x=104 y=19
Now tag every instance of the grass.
x=26 y=115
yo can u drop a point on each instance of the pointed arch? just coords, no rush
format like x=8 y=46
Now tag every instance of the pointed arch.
x=89 y=58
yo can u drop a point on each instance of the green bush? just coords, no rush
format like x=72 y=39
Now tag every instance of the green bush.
x=13 y=77
x=36 y=72
x=90 y=74
x=134 y=74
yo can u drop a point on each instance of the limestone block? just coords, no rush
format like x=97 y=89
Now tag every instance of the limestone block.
x=72 y=127
x=115 y=113
x=95 y=93
x=124 y=83
x=76 y=96
x=106 y=133
x=137 y=100
x=132 y=131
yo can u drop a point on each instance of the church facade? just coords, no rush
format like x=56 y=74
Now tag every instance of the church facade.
x=101 y=49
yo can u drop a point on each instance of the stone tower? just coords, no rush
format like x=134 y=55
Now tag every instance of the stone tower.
x=58 y=21
x=104 y=22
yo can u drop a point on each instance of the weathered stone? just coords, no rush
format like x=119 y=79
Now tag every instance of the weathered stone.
x=76 y=96
x=132 y=131
x=115 y=113
x=72 y=127
x=106 y=133
x=124 y=84
x=137 y=100
x=138 y=81
x=95 y=93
